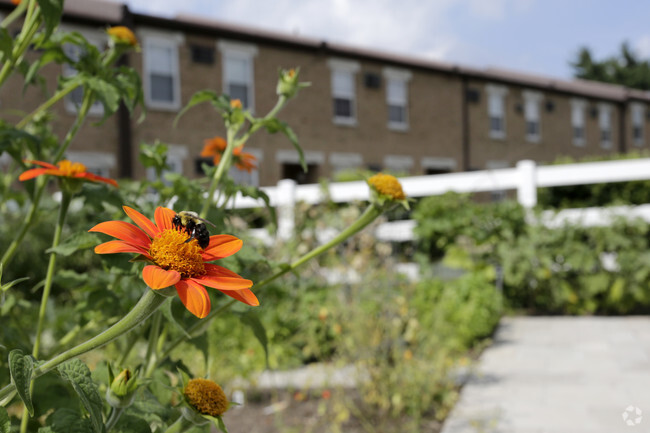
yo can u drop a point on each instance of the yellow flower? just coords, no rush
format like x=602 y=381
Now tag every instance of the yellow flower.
x=122 y=35
x=206 y=397
x=235 y=103
x=387 y=185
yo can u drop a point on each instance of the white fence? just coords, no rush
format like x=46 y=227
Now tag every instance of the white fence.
x=525 y=178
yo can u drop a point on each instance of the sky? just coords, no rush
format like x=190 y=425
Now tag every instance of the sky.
x=534 y=36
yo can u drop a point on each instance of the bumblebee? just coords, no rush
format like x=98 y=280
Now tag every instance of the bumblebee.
x=193 y=225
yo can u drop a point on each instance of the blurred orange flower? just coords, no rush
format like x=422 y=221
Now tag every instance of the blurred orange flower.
x=64 y=168
x=176 y=262
x=216 y=146
x=122 y=35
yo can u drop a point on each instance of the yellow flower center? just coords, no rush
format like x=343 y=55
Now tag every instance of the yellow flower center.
x=388 y=185
x=170 y=251
x=70 y=169
x=206 y=397
x=235 y=103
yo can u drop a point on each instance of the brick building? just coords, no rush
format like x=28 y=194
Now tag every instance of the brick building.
x=364 y=109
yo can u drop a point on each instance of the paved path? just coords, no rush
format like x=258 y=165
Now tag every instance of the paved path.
x=559 y=375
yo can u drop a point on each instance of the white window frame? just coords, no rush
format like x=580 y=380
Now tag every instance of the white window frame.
x=172 y=41
x=578 y=120
x=99 y=163
x=341 y=161
x=438 y=163
x=400 y=77
x=338 y=66
x=638 y=112
x=605 y=124
x=532 y=113
x=398 y=163
x=238 y=51
x=99 y=40
x=496 y=98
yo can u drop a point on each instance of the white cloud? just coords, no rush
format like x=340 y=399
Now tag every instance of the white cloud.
x=642 y=46
x=497 y=10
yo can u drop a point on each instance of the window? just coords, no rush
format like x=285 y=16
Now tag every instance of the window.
x=605 y=122
x=343 y=91
x=238 y=76
x=496 y=110
x=74 y=99
x=397 y=97
x=161 y=72
x=437 y=165
x=638 y=115
x=532 y=102
x=290 y=167
x=398 y=164
x=344 y=163
x=578 y=121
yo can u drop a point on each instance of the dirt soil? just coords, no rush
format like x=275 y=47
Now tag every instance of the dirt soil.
x=298 y=412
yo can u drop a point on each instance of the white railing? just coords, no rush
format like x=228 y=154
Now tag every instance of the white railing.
x=525 y=178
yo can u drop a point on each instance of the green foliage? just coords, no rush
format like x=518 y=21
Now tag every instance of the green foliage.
x=78 y=374
x=601 y=194
x=5 y=422
x=625 y=68
x=21 y=368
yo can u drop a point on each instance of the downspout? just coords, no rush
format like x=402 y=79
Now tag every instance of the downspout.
x=465 y=126
x=622 y=129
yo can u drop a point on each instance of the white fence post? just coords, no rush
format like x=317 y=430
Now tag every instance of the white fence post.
x=286 y=205
x=527 y=183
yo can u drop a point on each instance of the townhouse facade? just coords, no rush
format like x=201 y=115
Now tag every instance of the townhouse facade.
x=364 y=109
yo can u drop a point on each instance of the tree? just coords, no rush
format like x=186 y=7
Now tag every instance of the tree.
x=625 y=68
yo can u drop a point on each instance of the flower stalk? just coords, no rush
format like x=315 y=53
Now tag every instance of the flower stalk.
x=147 y=305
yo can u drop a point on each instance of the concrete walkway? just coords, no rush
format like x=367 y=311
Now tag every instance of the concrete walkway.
x=560 y=375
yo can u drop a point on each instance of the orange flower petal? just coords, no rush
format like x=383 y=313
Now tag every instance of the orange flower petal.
x=112 y=247
x=142 y=221
x=224 y=283
x=194 y=297
x=41 y=163
x=95 y=178
x=245 y=296
x=32 y=173
x=158 y=278
x=163 y=217
x=221 y=246
x=123 y=231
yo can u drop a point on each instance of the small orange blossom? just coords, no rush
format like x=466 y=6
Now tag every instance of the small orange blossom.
x=64 y=168
x=216 y=146
x=122 y=35
x=176 y=262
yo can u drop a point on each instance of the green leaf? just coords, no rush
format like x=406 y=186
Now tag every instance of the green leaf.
x=51 y=11
x=197 y=98
x=5 y=422
x=78 y=374
x=105 y=92
x=131 y=424
x=10 y=284
x=274 y=125
x=6 y=43
x=78 y=241
x=21 y=368
x=167 y=312
x=66 y=421
x=252 y=320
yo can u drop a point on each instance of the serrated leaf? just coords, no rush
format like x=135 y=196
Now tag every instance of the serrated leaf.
x=66 y=421
x=5 y=422
x=51 y=11
x=252 y=320
x=78 y=241
x=197 y=98
x=131 y=424
x=78 y=374
x=21 y=368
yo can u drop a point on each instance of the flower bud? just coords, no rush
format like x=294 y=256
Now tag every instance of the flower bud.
x=121 y=35
x=206 y=397
x=122 y=389
x=386 y=189
x=288 y=84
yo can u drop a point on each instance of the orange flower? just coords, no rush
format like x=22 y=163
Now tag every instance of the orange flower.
x=235 y=103
x=74 y=170
x=175 y=261
x=15 y=2
x=216 y=146
x=122 y=35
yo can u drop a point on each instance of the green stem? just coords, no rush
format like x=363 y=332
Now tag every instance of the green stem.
x=218 y=174
x=148 y=303
x=282 y=100
x=86 y=103
x=60 y=94
x=49 y=276
x=181 y=425
x=369 y=215
x=114 y=417
x=29 y=29
x=18 y=11
x=40 y=186
x=151 y=356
